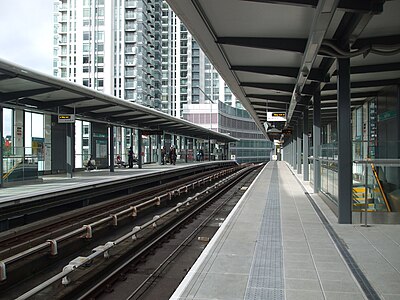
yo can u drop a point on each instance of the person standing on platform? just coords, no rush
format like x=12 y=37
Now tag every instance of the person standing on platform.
x=172 y=155
x=163 y=153
x=130 y=157
x=201 y=152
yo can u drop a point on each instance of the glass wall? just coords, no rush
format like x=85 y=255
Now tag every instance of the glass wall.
x=25 y=149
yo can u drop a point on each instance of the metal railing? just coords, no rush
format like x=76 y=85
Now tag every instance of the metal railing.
x=103 y=251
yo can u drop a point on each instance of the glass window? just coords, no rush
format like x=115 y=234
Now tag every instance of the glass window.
x=86 y=12
x=86 y=35
x=100 y=11
x=100 y=59
x=100 y=35
x=86 y=47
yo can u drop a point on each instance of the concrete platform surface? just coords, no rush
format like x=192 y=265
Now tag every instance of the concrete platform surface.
x=280 y=243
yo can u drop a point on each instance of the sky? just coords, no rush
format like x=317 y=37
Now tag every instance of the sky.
x=26 y=33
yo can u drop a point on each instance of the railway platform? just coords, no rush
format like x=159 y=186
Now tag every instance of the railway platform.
x=60 y=182
x=281 y=241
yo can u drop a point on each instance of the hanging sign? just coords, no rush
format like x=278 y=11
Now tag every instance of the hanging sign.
x=66 y=118
x=276 y=116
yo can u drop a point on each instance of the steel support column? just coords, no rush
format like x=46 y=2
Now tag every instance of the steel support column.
x=186 y=149
x=111 y=160
x=294 y=148
x=317 y=139
x=344 y=139
x=159 y=159
x=299 y=136
x=70 y=149
x=139 y=145
x=209 y=149
x=306 y=164
x=1 y=147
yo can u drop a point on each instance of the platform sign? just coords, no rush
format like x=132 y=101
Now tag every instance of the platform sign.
x=152 y=132
x=66 y=118
x=276 y=116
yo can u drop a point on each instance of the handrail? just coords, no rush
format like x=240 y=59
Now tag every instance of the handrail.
x=379 y=161
x=88 y=228
x=103 y=250
x=381 y=188
x=6 y=175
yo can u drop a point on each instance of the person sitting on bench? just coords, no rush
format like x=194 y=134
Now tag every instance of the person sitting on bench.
x=90 y=163
x=120 y=162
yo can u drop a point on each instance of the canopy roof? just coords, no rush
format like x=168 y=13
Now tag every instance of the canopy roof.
x=275 y=54
x=34 y=91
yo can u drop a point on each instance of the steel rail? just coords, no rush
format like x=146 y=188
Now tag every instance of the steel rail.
x=103 y=250
x=87 y=229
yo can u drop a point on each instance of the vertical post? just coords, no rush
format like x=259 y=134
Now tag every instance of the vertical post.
x=1 y=147
x=70 y=146
x=150 y=150
x=344 y=138
x=366 y=197
x=186 y=149
x=299 y=136
x=139 y=143
x=306 y=163
x=294 y=144
x=209 y=149
x=317 y=139
x=159 y=160
x=111 y=133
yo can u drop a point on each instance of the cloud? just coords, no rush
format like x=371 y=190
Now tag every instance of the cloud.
x=26 y=33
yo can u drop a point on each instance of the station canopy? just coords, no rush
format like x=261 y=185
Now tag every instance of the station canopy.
x=276 y=54
x=33 y=91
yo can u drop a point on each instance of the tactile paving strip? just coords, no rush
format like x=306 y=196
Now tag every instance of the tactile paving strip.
x=266 y=275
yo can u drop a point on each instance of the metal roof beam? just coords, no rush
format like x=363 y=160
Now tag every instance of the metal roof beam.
x=112 y=113
x=56 y=103
x=82 y=110
x=286 y=44
x=129 y=117
x=391 y=40
x=352 y=96
x=373 y=68
x=315 y=74
x=281 y=87
x=346 y=5
x=4 y=97
x=303 y=3
x=282 y=98
x=5 y=76
x=324 y=13
x=363 y=84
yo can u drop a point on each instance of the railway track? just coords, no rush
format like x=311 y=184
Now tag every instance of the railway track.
x=158 y=275
x=15 y=213
x=49 y=228
x=84 y=235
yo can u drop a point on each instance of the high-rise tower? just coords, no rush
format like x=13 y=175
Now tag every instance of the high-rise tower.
x=188 y=77
x=112 y=46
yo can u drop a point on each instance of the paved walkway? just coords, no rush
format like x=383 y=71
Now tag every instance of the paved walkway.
x=282 y=243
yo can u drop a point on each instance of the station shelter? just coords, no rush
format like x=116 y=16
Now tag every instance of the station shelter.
x=52 y=126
